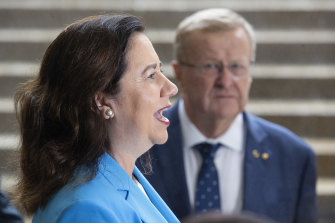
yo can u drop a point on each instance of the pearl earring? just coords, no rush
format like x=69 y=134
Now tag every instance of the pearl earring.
x=109 y=113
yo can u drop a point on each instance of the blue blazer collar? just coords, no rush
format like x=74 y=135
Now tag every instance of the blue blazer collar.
x=156 y=200
x=116 y=175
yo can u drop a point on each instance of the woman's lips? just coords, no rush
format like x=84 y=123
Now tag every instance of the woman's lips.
x=159 y=116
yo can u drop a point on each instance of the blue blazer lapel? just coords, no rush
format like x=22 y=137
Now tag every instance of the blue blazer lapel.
x=164 y=210
x=254 y=167
x=146 y=210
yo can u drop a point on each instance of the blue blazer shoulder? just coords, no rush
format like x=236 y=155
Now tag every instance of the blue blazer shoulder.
x=111 y=196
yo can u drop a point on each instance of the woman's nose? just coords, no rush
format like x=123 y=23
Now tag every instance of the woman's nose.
x=169 y=89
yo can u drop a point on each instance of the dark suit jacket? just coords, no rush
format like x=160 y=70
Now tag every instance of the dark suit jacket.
x=8 y=213
x=281 y=187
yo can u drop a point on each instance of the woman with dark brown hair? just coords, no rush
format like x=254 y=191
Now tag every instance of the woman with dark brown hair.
x=94 y=108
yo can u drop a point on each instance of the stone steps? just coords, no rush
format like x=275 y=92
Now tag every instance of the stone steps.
x=172 y=5
x=266 y=53
x=276 y=107
x=306 y=118
x=262 y=88
x=167 y=35
x=270 y=71
x=279 y=14
x=269 y=81
x=280 y=46
x=317 y=51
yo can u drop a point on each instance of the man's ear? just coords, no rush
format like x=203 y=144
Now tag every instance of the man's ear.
x=176 y=69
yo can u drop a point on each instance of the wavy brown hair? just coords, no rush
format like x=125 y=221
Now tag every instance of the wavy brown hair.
x=60 y=125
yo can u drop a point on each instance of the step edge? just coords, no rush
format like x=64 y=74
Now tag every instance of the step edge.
x=173 y=5
x=277 y=71
x=166 y=36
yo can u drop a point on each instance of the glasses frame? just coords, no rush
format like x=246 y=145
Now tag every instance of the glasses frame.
x=219 y=66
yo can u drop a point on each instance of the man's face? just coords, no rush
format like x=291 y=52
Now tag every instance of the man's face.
x=209 y=91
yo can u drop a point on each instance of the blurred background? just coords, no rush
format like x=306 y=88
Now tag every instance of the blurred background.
x=294 y=74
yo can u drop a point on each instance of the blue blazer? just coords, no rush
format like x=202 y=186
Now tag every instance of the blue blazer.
x=112 y=196
x=281 y=187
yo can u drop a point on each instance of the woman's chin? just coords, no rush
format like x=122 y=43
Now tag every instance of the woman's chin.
x=161 y=140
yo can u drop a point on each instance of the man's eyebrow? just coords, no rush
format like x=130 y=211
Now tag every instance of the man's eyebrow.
x=153 y=66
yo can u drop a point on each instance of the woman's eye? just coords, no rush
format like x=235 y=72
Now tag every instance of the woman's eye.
x=152 y=76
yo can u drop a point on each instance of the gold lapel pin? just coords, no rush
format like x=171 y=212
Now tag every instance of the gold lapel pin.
x=255 y=153
x=265 y=156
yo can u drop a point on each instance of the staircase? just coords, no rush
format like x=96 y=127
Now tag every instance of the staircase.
x=294 y=75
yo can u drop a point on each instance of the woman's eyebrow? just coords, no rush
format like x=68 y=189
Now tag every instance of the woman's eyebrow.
x=153 y=66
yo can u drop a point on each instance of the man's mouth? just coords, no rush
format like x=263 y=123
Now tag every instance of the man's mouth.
x=159 y=115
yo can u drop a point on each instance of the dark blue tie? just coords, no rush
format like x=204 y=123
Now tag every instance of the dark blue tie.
x=207 y=195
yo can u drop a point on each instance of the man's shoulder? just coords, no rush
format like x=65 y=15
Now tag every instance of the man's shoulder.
x=256 y=123
x=276 y=134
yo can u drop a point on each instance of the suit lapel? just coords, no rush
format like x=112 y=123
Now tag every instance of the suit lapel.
x=172 y=163
x=155 y=199
x=254 y=168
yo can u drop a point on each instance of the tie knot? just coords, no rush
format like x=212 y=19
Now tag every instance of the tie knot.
x=207 y=150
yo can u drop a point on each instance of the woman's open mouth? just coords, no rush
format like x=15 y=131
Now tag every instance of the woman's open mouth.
x=159 y=115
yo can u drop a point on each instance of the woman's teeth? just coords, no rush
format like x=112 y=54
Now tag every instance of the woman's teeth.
x=164 y=119
x=158 y=115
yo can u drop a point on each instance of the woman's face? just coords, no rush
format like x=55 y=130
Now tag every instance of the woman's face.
x=144 y=94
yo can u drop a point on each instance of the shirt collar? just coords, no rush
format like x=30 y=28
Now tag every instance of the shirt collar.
x=233 y=138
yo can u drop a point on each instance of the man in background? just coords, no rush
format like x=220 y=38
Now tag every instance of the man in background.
x=218 y=156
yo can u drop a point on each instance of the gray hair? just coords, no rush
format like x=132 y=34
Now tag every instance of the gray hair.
x=212 y=20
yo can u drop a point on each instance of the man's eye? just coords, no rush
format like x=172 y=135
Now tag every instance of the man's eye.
x=210 y=66
x=237 y=66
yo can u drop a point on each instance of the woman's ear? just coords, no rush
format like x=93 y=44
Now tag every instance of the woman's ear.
x=105 y=108
x=176 y=69
x=98 y=100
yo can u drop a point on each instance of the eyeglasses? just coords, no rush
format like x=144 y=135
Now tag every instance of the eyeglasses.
x=238 y=70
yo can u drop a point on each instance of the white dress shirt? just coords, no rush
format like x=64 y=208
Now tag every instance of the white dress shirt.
x=228 y=160
x=141 y=187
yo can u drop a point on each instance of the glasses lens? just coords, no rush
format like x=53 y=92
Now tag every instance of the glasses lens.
x=239 y=69
x=211 y=69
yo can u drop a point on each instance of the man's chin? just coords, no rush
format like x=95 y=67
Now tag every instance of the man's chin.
x=226 y=114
